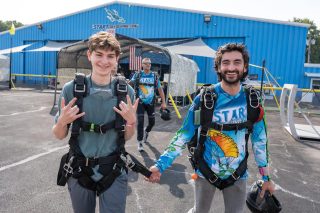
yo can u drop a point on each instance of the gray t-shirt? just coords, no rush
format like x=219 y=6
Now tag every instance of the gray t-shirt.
x=98 y=106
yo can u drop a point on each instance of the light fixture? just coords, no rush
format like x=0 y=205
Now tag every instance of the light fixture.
x=207 y=18
x=39 y=26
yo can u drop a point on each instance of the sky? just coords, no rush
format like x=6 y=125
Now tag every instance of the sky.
x=33 y=11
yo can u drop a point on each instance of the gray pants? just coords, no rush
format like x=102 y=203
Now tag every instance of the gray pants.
x=234 y=196
x=113 y=200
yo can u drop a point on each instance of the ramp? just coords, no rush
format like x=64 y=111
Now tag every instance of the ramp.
x=300 y=132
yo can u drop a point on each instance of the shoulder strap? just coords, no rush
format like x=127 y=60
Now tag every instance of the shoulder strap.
x=155 y=80
x=208 y=97
x=80 y=90
x=254 y=108
x=137 y=83
x=121 y=90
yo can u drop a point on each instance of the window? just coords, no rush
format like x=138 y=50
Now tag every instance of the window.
x=315 y=83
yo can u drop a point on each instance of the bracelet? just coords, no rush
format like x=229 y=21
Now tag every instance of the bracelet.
x=264 y=171
x=266 y=178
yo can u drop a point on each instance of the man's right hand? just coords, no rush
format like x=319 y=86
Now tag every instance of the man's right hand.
x=69 y=112
x=155 y=176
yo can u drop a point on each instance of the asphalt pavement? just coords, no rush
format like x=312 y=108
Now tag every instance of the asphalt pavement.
x=30 y=156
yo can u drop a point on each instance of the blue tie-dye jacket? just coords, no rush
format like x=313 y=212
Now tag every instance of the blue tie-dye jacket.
x=223 y=150
x=146 y=92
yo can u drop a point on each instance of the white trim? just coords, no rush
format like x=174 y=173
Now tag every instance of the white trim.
x=312 y=75
x=311 y=65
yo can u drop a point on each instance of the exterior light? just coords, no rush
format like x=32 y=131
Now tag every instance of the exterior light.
x=207 y=18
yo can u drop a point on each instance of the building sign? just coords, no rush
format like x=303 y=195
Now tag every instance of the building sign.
x=105 y=27
x=114 y=17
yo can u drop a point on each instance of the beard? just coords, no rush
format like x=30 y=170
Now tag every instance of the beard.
x=235 y=79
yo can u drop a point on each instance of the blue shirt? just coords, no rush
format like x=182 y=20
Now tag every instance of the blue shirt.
x=146 y=92
x=224 y=150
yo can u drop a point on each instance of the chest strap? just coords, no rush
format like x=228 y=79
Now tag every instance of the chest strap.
x=147 y=84
x=102 y=129
x=231 y=127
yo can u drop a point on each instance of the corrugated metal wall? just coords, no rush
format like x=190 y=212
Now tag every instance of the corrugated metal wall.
x=281 y=45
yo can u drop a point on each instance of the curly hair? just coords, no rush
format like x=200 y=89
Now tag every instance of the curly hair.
x=230 y=47
x=105 y=41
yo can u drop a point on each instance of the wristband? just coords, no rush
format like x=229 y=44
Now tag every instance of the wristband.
x=266 y=178
x=264 y=171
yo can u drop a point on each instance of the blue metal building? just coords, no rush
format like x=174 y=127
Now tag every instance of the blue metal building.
x=281 y=44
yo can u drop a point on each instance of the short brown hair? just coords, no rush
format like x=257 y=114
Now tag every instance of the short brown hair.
x=105 y=41
x=230 y=47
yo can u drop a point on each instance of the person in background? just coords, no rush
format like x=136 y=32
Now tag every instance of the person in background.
x=145 y=83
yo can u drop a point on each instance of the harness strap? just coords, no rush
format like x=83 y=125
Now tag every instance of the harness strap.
x=102 y=129
x=80 y=167
x=79 y=91
x=103 y=184
x=146 y=84
x=121 y=92
x=206 y=105
x=218 y=182
x=135 y=165
x=92 y=162
x=229 y=127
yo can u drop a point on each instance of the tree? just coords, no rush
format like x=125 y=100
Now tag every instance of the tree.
x=314 y=36
x=6 y=25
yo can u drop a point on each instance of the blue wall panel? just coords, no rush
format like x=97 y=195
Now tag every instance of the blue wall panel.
x=281 y=44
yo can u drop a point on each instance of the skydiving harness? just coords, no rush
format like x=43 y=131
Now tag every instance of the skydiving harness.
x=75 y=164
x=208 y=97
x=137 y=84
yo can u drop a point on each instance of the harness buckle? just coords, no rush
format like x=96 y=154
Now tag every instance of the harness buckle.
x=235 y=176
x=68 y=168
x=208 y=100
x=91 y=127
x=115 y=166
x=87 y=161
x=122 y=88
x=191 y=150
x=213 y=179
x=129 y=163
x=100 y=129
x=221 y=129
x=254 y=94
x=79 y=89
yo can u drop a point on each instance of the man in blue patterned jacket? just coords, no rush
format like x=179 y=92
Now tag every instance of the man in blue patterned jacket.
x=146 y=83
x=223 y=160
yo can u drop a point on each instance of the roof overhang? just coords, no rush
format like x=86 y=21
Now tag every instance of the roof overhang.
x=15 y=49
x=194 y=47
x=52 y=46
